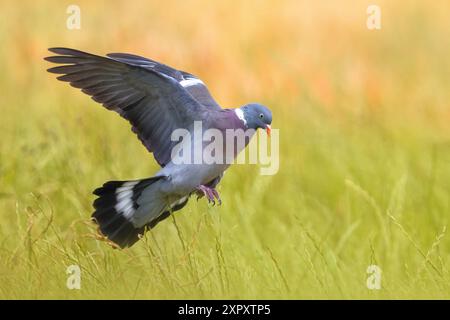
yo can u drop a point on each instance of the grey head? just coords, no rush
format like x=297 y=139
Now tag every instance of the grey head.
x=257 y=116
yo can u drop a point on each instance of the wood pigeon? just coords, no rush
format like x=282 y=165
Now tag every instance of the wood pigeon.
x=156 y=99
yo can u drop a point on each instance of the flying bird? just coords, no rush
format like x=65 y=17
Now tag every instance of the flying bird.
x=156 y=99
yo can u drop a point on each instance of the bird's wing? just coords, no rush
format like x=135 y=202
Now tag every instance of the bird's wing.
x=153 y=101
x=191 y=83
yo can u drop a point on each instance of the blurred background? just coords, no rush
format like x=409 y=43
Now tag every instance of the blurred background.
x=364 y=151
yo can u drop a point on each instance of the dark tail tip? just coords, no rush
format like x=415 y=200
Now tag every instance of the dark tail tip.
x=114 y=209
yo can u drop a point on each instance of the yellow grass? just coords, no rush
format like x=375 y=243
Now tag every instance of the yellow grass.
x=364 y=152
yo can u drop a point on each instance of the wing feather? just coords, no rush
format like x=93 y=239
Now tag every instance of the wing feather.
x=148 y=94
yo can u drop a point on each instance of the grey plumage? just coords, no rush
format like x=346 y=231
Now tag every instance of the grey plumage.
x=145 y=94
x=156 y=99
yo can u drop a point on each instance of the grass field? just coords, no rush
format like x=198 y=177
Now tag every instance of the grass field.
x=364 y=152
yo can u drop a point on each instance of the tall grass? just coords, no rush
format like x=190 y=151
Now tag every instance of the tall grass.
x=364 y=152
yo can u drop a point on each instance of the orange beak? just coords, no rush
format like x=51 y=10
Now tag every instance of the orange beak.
x=268 y=129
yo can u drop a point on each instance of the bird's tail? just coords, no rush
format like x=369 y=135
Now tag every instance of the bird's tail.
x=125 y=209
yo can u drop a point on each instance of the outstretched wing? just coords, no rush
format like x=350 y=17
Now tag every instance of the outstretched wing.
x=191 y=83
x=149 y=95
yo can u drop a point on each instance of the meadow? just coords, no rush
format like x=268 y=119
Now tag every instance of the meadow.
x=364 y=173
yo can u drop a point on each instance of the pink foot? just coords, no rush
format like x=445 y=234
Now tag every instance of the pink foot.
x=210 y=193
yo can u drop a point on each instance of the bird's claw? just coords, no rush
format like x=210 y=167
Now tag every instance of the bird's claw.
x=210 y=193
x=216 y=195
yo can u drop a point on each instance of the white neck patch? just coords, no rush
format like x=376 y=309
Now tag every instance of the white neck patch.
x=240 y=115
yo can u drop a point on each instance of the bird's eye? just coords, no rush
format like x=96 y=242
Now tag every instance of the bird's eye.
x=261 y=115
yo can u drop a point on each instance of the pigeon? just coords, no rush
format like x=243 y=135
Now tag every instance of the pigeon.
x=156 y=100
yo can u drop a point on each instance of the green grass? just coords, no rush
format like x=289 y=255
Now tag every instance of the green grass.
x=364 y=167
x=342 y=200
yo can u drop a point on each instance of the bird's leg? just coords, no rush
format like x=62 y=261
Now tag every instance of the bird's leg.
x=210 y=193
x=203 y=190
x=216 y=195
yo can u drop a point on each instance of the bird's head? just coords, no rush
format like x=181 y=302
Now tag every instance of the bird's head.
x=257 y=116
